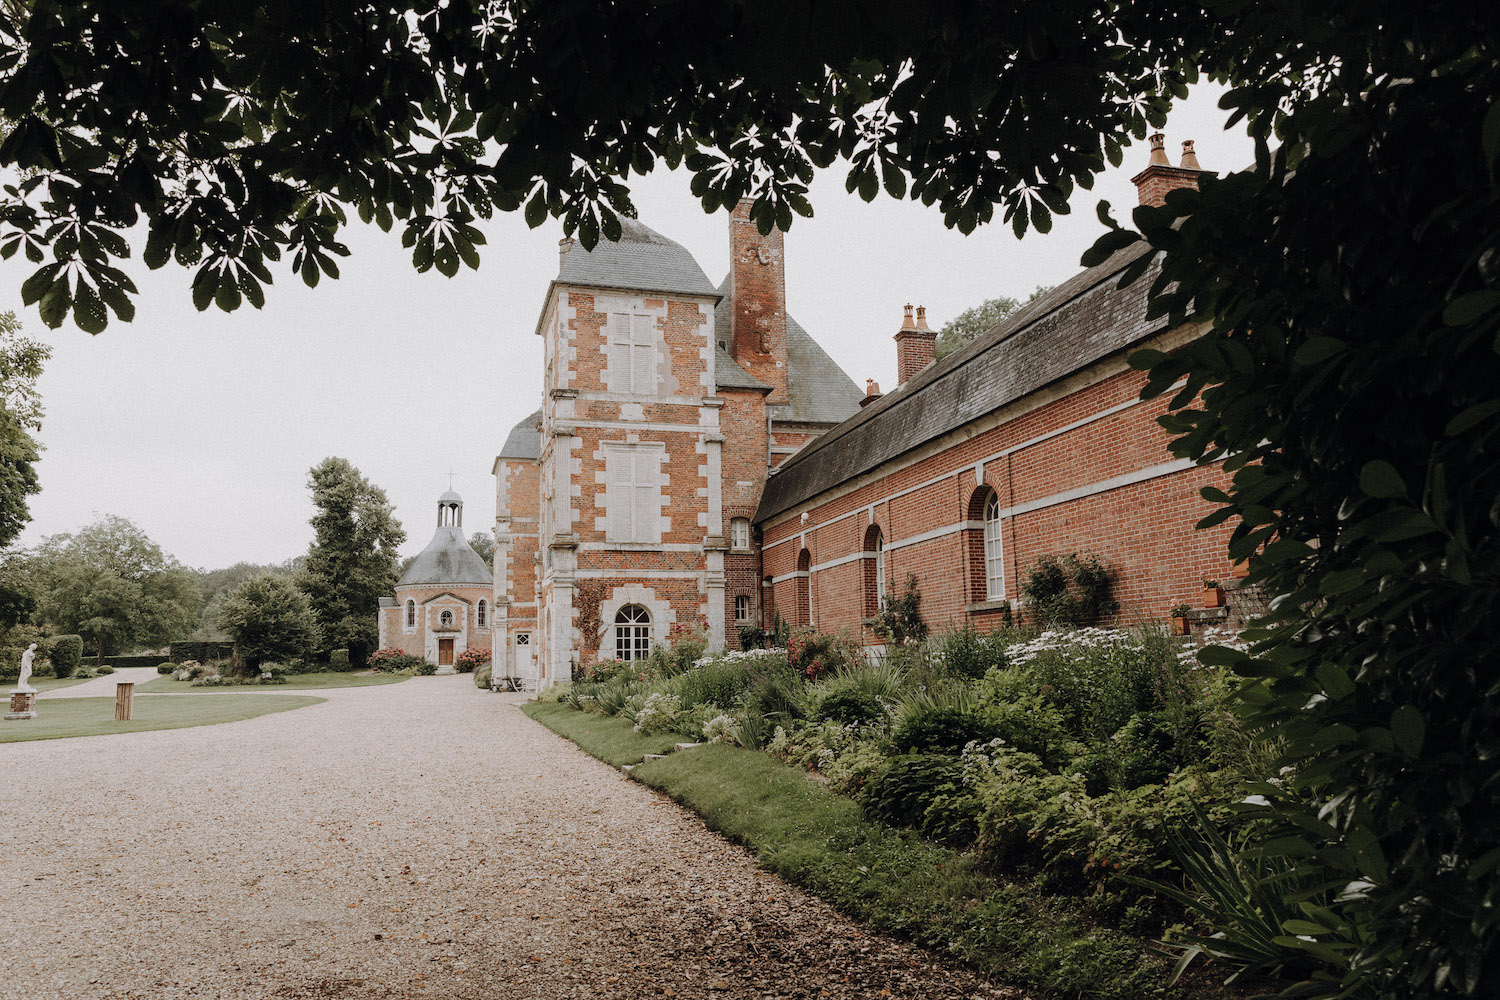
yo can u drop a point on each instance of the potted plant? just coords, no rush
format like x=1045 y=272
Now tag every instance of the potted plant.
x=1180 y=620
x=1213 y=594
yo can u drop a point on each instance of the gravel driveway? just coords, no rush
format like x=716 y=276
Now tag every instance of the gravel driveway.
x=423 y=839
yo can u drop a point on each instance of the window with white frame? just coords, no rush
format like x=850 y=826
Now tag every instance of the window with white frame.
x=632 y=633
x=411 y=614
x=632 y=354
x=446 y=619
x=739 y=533
x=632 y=499
x=879 y=570
x=742 y=608
x=480 y=614
x=994 y=556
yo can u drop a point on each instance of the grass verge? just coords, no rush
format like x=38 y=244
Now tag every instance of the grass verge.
x=64 y=717
x=294 y=682
x=611 y=739
x=890 y=880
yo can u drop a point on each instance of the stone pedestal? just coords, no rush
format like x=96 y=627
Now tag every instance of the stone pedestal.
x=22 y=703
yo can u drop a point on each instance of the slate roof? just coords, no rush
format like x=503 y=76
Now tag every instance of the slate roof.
x=729 y=375
x=1079 y=322
x=820 y=391
x=524 y=441
x=642 y=260
x=448 y=559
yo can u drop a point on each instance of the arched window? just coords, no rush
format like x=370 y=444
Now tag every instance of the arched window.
x=411 y=614
x=632 y=633
x=739 y=533
x=874 y=575
x=994 y=554
x=802 y=614
x=446 y=619
x=480 y=614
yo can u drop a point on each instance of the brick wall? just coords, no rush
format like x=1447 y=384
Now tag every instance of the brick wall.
x=757 y=276
x=1106 y=486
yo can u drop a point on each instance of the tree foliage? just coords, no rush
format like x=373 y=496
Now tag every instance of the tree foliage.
x=980 y=319
x=113 y=585
x=352 y=561
x=483 y=544
x=243 y=135
x=21 y=361
x=268 y=618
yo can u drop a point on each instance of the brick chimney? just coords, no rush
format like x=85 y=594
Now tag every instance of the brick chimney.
x=916 y=345
x=757 y=296
x=1159 y=177
x=872 y=392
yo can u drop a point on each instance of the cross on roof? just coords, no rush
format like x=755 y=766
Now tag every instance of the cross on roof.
x=450 y=479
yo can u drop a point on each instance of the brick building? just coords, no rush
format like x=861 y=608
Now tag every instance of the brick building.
x=443 y=602
x=698 y=458
x=624 y=506
x=1031 y=440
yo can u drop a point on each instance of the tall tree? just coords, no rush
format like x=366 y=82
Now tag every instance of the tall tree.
x=21 y=362
x=113 y=585
x=484 y=544
x=980 y=319
x=268 y=618
x=352 y=561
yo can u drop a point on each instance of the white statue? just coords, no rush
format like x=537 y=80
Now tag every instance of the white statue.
x=26 y=659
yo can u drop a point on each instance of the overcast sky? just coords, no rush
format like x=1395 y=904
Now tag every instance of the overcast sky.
x=201 y=427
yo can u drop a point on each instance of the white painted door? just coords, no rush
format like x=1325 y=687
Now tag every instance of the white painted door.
x=525 y=657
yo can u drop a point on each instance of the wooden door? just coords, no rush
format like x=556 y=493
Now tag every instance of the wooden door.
x=445 y=652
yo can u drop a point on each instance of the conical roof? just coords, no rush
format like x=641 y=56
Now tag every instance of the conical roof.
x=448 y=559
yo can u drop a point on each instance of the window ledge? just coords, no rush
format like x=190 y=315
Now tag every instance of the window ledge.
x=997 y=604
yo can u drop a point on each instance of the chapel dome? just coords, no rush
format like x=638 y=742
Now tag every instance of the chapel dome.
x=448 y=559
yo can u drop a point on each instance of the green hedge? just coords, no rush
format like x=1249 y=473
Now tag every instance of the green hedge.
x=67 y=654
x=142 y=660
x=194 y=649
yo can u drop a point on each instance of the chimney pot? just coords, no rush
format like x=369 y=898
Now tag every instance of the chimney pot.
x=872 y=392
x=922 y=318
x=916 y=346
x=1159 y=150
x=1189 y=158
x=906 y=323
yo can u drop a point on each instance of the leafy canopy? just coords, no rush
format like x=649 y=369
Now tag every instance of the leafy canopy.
x=112 y=584
x=980 y=319
x=21 y=361
x=243 y=134
x=269 y=619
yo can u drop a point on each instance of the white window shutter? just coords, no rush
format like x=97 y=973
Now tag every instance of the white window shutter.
x=643 y=355
x=619 y=353
x=647 y=495
x=619 y=496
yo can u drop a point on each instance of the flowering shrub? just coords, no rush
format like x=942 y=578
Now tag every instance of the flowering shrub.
x=658 y=714
x=471 y=659
x=380 y=656
x=721 y=729
x=608 y=670
x=815 y=654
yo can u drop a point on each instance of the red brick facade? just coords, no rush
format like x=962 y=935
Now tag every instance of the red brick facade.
x=1085 y=469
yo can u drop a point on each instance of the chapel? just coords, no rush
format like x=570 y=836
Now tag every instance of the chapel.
x=442 y=604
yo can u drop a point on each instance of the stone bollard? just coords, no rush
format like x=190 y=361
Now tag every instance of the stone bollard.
x=124 y=695
x=22 y=703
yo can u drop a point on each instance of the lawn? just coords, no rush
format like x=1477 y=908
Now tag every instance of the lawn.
x=294 y=682
x=610 y=738
x=62 y=717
